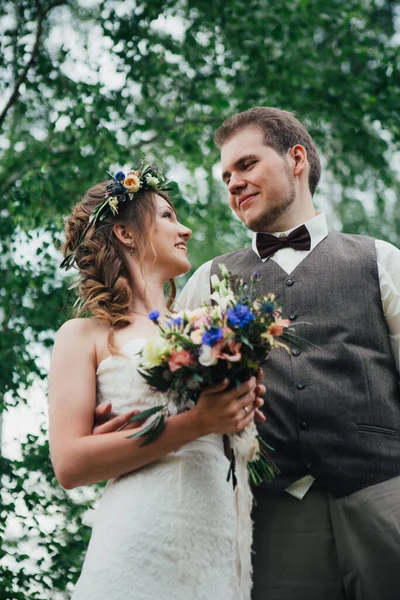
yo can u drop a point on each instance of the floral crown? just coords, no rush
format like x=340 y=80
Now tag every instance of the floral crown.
x=122 y=188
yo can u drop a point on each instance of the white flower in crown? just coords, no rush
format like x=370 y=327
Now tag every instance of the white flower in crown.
x=152 y=181
x=113 y=204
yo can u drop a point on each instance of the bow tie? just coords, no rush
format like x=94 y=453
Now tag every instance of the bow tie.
x=268 y=244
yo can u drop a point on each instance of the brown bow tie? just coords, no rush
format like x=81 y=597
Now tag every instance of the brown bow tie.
x=268 y=244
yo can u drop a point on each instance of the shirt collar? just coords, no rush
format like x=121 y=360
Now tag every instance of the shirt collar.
x=317 y=228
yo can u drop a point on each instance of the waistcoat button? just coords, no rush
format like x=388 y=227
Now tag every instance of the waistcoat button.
x=296 y=352
x=304 y=426
x=292 y=316
x=289 y=282
x=300 y=385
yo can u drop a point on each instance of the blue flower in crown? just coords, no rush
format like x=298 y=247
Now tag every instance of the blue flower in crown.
x=119 y=176
x=119 y=189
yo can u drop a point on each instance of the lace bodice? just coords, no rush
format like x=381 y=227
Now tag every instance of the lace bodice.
x=167 y=530
x=119 y=382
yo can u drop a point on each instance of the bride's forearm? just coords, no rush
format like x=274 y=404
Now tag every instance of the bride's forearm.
x=95 y=458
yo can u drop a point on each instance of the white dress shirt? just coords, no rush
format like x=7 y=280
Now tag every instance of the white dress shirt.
x=197 y=292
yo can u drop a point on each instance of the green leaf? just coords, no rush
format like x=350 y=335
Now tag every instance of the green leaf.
x=146 y=413
x=155 y=432
x=149 y=427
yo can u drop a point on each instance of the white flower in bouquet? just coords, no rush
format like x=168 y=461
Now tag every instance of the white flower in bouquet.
x=223 y=295
x=224 y=271
x=154 y=351
x=197 y=315
x=215 y=282
x=196 y=336
x=223 y=298
x=207 y=357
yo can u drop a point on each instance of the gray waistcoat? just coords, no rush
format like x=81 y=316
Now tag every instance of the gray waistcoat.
x=332 y=411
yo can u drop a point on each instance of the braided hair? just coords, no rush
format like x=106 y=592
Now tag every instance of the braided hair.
x=105 y=285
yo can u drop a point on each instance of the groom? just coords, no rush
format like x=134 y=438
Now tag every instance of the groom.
x=328 y=528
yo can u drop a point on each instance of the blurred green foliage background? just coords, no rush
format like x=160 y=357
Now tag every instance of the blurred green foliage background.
x=87 y=86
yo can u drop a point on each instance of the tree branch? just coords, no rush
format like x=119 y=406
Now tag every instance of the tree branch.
x=35 y=51
x=8 y=183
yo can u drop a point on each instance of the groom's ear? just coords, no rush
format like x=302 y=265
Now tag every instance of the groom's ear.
x=298 y=156
x=124 y=234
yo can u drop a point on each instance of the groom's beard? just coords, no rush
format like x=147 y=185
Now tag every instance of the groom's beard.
x=270 y=217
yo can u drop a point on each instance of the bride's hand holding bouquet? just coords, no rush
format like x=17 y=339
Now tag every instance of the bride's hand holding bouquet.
x=223 y=410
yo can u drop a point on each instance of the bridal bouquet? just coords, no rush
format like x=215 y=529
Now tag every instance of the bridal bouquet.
x=196 y=349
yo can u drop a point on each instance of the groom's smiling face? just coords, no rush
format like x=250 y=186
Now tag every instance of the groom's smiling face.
x=259 y=180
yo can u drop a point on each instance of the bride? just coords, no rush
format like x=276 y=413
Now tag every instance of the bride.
x=165 y=527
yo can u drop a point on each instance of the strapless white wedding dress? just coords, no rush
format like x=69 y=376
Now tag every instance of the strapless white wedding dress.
x=168 y=530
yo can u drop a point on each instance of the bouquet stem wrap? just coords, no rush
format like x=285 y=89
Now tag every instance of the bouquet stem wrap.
x=245 y=449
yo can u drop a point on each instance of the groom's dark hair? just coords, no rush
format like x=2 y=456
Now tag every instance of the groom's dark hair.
x=281 y=130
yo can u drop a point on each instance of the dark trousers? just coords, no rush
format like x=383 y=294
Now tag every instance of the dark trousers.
x=328 y=548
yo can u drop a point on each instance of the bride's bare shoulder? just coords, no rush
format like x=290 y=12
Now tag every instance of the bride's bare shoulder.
x=81 y=326
x=85 y=330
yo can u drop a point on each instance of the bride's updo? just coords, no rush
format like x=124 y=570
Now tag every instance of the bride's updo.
x=104 y=286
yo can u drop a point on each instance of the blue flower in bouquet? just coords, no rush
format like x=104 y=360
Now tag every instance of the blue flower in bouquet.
x=268 y=307
x=153 y=315
x=177 y=322
x=212 y=336
x=240 y=315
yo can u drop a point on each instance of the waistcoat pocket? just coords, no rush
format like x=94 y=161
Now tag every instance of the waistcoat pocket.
x=377 y=429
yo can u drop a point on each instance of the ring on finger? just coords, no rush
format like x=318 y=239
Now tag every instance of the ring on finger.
x=246 y=410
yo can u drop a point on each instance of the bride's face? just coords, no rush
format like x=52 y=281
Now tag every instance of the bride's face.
x=166 y=249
